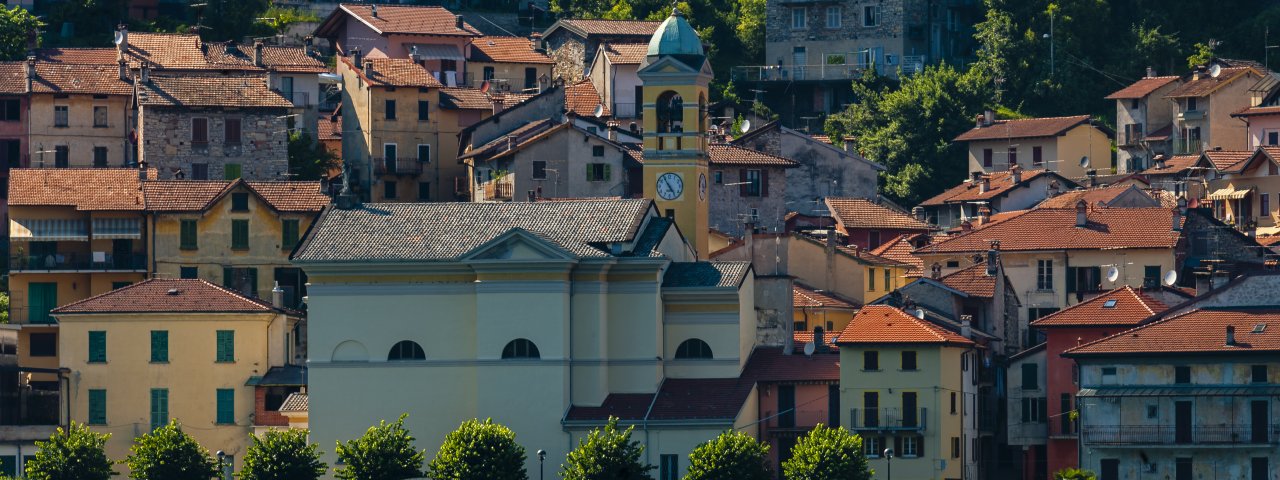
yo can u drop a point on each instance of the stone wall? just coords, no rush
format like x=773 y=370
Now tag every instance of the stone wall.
x=263 y=152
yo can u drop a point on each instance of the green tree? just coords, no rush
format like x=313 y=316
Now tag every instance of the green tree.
x=1073 y=474
x=308 y=159
x=233 y=19
x=750 y=26
x=279 y=19
x=282 y=455
x=385 y=452
x=621 y=10
x=827 y=454
x=607 y=453
x=1204 y=52
x=73 y=453
x=732 y=455
x=479 y=451
x=4 y=307
x=17 y=28
x=168 y=453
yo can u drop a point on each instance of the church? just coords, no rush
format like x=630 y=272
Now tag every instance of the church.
x=549 y=317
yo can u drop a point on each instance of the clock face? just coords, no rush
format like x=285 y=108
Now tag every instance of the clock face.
x=702 y=186
x=670 y=186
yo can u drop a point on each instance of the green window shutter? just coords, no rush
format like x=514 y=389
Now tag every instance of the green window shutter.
x=608 y=174
x=97 y=346
x=41 y=298
x=240 y=234
x=227 y=276
x=226 y=406
x=188 y=235
x=288 y=234
x=226 y=346
x=589 y=173
x=159 y=345
x=159 y=407
x=232 y=171
x=97 y=407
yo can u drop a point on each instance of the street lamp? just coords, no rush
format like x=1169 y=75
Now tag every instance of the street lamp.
x=221 y=470
x=888 y=462
x=542 y=455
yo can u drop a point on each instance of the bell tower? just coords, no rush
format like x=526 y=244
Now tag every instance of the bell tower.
x=676 y=75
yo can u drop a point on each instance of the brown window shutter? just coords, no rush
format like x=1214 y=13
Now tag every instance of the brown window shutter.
x=742 y=188
x=764 y=183
x=897 y=445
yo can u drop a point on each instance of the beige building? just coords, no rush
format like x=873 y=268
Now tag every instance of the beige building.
x=1248 y=193
x=80 y=115
x=1203 y=104
x=508 y=64
x=1070 y=146
x=1143 y=121
x=135 y=354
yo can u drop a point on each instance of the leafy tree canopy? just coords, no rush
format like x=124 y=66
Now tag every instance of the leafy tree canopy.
x=17 y=28
x=73 y=453
x=607 y=453
x=479 y=451
x=168 y=453
x=732 y=455
x=282 y=455
x=827 y=454
x=308 y=159
x=384 y=452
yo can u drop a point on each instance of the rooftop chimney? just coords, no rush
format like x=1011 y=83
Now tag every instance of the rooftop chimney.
x=984 y=213
x=1093 y=177
x=1053 y=188
x=1231 y=335
x=975 y=176
x=1082 y=213
x=368 y=67
x=458 y=21
x=356 y=57
x=936 y=270
x=966 y=227
x=988 y=117
x=918 y=213
x=966 y=326
x=374 y=9
x=1159 y=161
x=1015 y=175
x=984 y=185
x=1177 y=219
x=277 y=296
x=1195 y=74
x=1151 y=72
x=848 y=143
x=31 y=72
x=979 y=121
x=124 y=69
x=257 y=53
x=1217 y=148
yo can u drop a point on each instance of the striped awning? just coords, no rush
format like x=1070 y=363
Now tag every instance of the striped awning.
x=117 y=228
x=48 y=230
x=1229 y=193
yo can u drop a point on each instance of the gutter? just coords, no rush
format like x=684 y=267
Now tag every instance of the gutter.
x=649 y=411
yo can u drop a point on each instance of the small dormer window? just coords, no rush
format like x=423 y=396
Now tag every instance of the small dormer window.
x=1109 y=303
x=240 y=202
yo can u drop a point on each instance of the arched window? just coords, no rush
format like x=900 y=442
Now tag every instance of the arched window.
x=520 y=348
x=693 y=348
x=406 y=350
x=670 y=112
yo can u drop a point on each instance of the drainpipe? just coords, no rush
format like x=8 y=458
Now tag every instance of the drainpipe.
x=647 y=412
x=1066 y=264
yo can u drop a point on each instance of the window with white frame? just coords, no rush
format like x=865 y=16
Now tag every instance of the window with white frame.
x=872 y=446
x=1044 y=274
x=833 y=16
x=871 y=16
x=910 y=446
x=799 y=18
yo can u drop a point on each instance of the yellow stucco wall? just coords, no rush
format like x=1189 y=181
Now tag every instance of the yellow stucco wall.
x=512 y=73
x=80 y=135
x=1059 y=153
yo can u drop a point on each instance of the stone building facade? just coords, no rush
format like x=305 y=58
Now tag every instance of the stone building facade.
x=822 y=170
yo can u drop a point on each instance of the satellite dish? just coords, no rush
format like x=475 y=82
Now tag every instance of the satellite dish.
x=1113 y=273
x=746 y=125
x=1084 y=161
x=1215 y=70
x=809 y=348
x=1170 y=278
x=920 y=313
x=119 y=37
x=599 y=111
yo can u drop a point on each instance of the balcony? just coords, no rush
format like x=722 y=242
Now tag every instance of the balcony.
x=299 y=99
x=1191 y=115
x=1185 y=146
x=93 y=261
x=625 y=110
x=499 y=191
x=506 y=85
x=888 y=419
x=29 y=407
x=397 y=166
x=795 y=422
x=1207 y=435
x=787 y=73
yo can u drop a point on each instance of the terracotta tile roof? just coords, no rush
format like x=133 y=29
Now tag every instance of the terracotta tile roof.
x=511 y=140
x=899 y=250
x=13 y=78
x=168 y=51
x=84 y=56
x=729 y=154
x=1023 y=128
x=625 y=53
x=883 y=324
x=769 y=364
x=210 y=91
x=612 y=27
x=705 y=274
x=167 y=295
x=329 y=128
x=394 y=72
x=822 y=138
x=1257 y=330
x=972 y=280
x=854 y=213
x=865 y=256
x=1055 y=229
x=1092 y=196
x=200 y=195
x=800 y=338
x=582 y=99
x=1174 y=165
x=445 y=231
x=678 y=399
x=1142 y=87
x=805 y=296
x=1160 y=134
x=465 y=99
x=409 y=19
x=999 y=184
x=1208 y=84
x=87 y=189
x=506 y=50
x=74 y=78
x=506 y=100
x=277 y=58
x=292 y=196
x=1224 y=160
x=1128 y=307
x=296 y=402
x=1251 y=111
x=1269 y=240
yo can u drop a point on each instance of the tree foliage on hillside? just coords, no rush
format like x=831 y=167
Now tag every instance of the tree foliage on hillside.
x=17 y=27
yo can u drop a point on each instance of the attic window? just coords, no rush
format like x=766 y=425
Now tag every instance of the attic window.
x=1259 y=328
x=1109 y=304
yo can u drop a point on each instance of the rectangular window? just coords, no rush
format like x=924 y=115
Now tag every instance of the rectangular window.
x=97 y=346
x=199 y=171
x=953 y=403
x=199 y=131
x=597 y=151
x=97 y=407
x=987 y=157
x=1013 y=155
x=1182 y=374
x=424 y=110
x=870 y=360
x=1182 y=467
x=288 y=234
x=1044 y=275
x=226 y=406
x=231 y=171
x=873 y=447
x=189 y=272
x=955 y=447
x=240 y=234
x=243 y=280
x=539 y=170
x=1273 y=138
x=1259 y=469
x=1153 y=411
x=1258 y=374
x=1030 y=376
x=1193 y=104
x=833 y=405
x=424 y=191
x=60 y=115
x=1037 y=156
x=833 y=17
x=871 y=16
x=786 y=406
x=187 y=235
x=424 y=153
x=598 y=172
x=755 y=183
x=670 y=467
x=888 y=275
x=910 y=446
x=226 y=346
x=799 y=17
x=100 y=116
x=10 y=111
x=62 y=156
x=99 y=157
x=871 y=409
x=159 y=346
x=719 y=177
x=910 y=416
x=1151 y=276
x=871 y=279
x=909 y=360
x=159 y=407
x=1065 y=412
x=231 y=131
x=1033 y=409
x=43 y=345
x=391 y=109
x=1264 y=204
x=389 y=190
x=240 y=202
x=488 y=73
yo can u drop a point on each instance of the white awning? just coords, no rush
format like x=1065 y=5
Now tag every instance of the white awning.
x=48 y=230
x=117 y=228
x=1229 y=193
x=436 y=51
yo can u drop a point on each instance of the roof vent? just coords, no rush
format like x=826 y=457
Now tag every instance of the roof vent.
x=1109 y=303
x=172 y=291
x=1231 y=335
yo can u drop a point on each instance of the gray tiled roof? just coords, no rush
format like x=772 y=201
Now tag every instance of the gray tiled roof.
x=446 y=231
x=705 y=274
x=295 y=402
x=648 y=242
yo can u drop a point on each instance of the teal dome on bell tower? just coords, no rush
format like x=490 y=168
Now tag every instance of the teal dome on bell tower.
x=676 y=38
